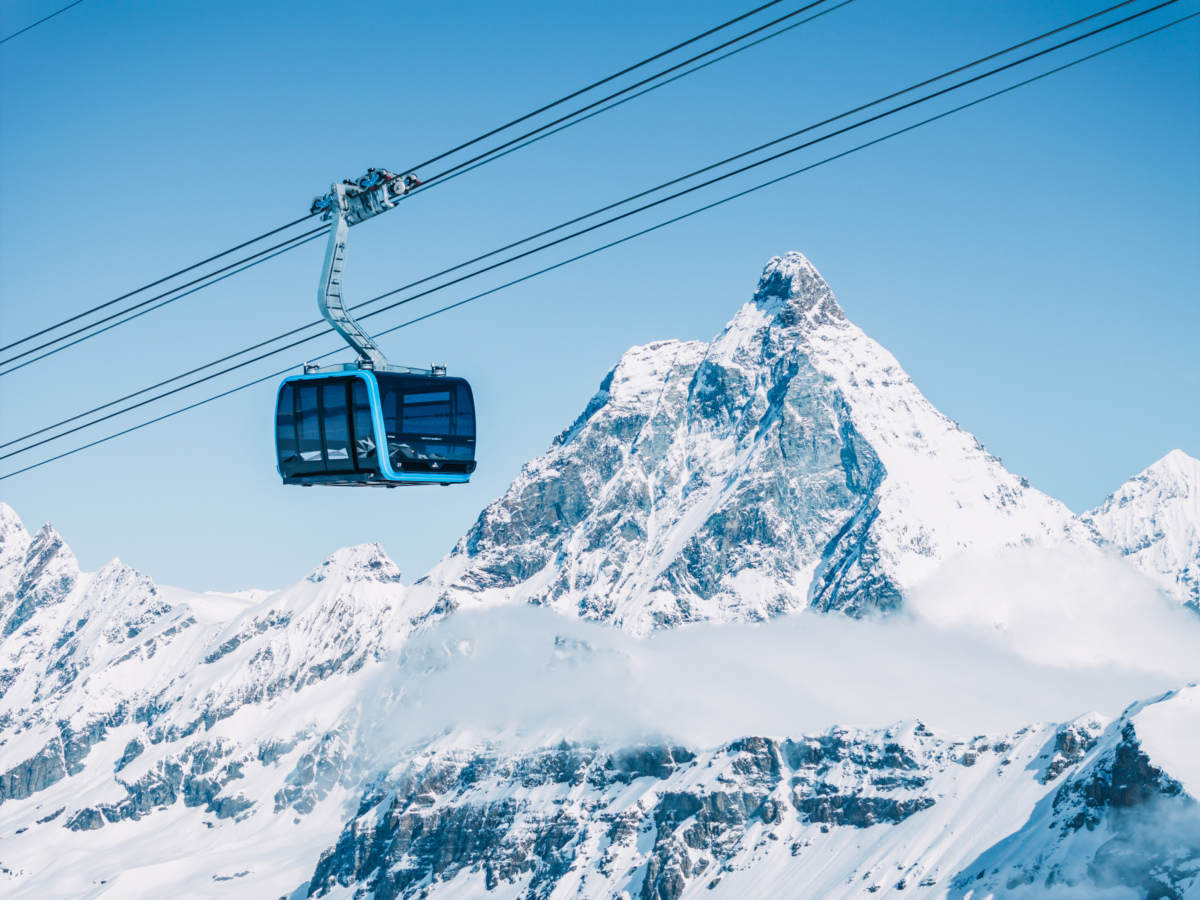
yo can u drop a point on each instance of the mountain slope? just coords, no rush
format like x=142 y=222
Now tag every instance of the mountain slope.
x=157 y=742
x=790 y=462
x=898 y=812
x=201 y=738
x=1153 y=520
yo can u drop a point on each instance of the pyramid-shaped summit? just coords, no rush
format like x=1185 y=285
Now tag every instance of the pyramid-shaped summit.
x=789 y=463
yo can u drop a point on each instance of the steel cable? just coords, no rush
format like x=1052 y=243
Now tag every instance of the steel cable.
x=573 y=259
x=469 y=143
x=289 y=244
x=40 y=21
x=521 y=255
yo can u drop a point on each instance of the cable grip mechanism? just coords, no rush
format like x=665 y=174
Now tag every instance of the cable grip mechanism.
x=348 y=204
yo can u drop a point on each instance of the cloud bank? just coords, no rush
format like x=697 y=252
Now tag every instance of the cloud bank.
x=985 y=646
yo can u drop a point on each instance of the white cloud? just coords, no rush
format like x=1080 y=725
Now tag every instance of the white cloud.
x=987 y=646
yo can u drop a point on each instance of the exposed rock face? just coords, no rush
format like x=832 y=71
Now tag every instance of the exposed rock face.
x=1154 y=520
x=779 y=818
x=644 y=821
x=790 y=462
x=1117 y=819
x=1071 y=743
x=47 y=574
x=120 y=702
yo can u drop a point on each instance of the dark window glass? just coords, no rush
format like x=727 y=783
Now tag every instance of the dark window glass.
x=427 y=412
x=390 y=398
x=285 y=427
x=464 y=412
x=364 y=427
x=337 y=427
x=426 y=420
x=308 y=428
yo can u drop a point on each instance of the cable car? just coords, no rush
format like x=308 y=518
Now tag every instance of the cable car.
x=368 y=423
x=375 y=428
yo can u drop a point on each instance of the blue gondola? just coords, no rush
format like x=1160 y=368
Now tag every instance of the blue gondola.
x=368 y=428
x=368 y=423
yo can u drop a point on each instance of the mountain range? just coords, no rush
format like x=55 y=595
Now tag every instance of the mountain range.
x=156 y=741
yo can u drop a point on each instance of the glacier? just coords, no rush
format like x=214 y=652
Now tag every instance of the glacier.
x=157 y=741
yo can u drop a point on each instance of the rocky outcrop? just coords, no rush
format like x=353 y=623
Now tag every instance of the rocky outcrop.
x=48 y=573
x=34 y=774
x=1116 y=819
x=788 y=463
x=649 y=820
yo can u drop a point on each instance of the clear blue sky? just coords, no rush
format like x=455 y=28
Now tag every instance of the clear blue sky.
x=1033 y=262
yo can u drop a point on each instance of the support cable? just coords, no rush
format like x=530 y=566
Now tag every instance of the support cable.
x=641 y=93
x=146 y=287
x=299 y=242
x=40 y=21
x=504 y=262
x=488 y=153
x=594 y=85
x=469 y=143
x=588 y=253
x=262 y=253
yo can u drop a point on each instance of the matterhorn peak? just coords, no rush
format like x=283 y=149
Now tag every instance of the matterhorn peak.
x=364 y=562
x=789 y=463
x=792 y=285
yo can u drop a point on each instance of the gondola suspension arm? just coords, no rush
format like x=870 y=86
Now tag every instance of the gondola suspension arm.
x=348 y=204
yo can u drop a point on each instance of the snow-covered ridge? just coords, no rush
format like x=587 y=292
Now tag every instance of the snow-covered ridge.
x=790 y=462
x=154 y=740
x=1154 y=520
x=123 y=704
x=901 y=812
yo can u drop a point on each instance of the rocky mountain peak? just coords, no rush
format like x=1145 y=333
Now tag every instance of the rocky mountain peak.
x=364 y=562
x=1177 y=472
x=14 y=544
x=792 y=283
x=1153 y=519
x=791 y=462
x=46 y=576
x=10 y=522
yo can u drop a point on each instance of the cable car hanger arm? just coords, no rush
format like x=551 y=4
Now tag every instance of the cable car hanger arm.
x=348 y=204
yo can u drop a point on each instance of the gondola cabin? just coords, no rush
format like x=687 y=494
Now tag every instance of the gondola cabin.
x=384 y=429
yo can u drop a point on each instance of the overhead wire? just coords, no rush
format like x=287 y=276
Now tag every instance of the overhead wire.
x=591 y=115
x=625 y=90
x=475 y=163
x=146 y=287
x=527 y=253
x=40 y=21
x=289 y=244
x=440 y=156
x=604 y=209
x=594 y=85
x=622 y=240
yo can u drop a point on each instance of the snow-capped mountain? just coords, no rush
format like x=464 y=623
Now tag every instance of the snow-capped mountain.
x=790 y=462
x=901 y=812
x=159 y=742
x=1153 y=519
x=195 y=731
